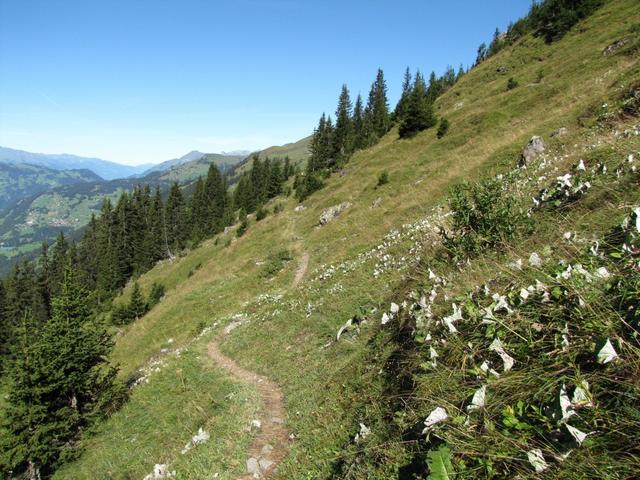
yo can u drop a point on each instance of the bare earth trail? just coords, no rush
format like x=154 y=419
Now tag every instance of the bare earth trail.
x=271 y=444
x=302 y=269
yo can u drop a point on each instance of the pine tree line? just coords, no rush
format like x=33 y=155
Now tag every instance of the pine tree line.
x=264 y=181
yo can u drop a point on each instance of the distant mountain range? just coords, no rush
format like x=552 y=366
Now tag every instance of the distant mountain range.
x=222 y=160
x=103 y=168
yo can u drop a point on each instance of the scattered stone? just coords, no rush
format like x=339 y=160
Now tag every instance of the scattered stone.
x=253 y=467
x=265 y=464
x=560 y=132
x=160 y=470
x=300 y=208
x=502 y=69
x=376 y=203
x=334 y=212
x=615 y=46
x=534 y=148
x=232 y=326
x=267 y=449
x=256 y=424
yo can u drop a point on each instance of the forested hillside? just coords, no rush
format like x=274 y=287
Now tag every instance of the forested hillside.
x=447 y=288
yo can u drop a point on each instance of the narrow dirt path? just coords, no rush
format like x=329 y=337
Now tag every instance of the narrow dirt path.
x=302 y=270
x=271 y=444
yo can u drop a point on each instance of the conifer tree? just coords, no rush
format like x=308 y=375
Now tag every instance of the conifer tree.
x=137 y=304
x=175 y=216
x=401 y=107
x=379 y=105
x=61 y=383
x=342 y=139
x=420 y=114
x=358 y=124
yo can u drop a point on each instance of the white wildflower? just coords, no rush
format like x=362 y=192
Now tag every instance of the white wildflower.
x=535 y=260
x=438 y=415
x=364 y=433
x=578 y=435
x=454 y=317
x=537 y=460
x=477 y=402
x=507 y=360
x=607 y=353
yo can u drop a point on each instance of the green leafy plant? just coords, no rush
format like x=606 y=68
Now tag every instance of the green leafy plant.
x=383 y=179
x=440 y=466
x=443 y=128
x=483 y=215
x=274 y=263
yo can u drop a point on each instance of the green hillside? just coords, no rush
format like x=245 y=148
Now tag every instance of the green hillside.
x=67 y=205
x=400 y=352
x=24 y=180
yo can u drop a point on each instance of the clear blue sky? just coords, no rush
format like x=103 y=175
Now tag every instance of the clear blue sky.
x=138 y=81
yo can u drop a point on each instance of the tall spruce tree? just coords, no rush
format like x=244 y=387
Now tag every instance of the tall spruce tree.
x=401 y=107
x=60 y=383
x=358 y=124
x=419 y=114
x=175 y=219
x=379 y=105
x=342 y=139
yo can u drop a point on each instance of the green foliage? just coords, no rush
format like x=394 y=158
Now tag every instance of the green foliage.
x=60 y=384
x=383 y=179
x=156 y=294
x=263 y=182
x=135 y=309
x=443 y=128
x=553 y=18
x=484 y=214
x=306 y=184
x=261 y=213
x=244 y=224
x=419 y=115
x=440 y=466
x=274 y=263
x=512 y=83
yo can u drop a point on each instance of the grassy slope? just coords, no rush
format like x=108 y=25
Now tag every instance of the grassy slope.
x=328 y=389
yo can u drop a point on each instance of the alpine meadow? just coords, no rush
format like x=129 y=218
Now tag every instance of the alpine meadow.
x=439 y=280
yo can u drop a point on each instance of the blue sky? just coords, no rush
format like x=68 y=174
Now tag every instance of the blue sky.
x=139 y=81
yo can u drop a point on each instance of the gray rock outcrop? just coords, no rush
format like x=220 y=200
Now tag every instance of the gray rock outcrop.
x=334 y=212
x=533 y=149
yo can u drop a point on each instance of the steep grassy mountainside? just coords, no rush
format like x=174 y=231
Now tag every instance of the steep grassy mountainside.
x=443 y=369
x=23 y=180
x=103 y=168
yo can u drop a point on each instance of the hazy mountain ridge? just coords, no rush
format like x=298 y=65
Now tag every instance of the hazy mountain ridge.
x=103 y=168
